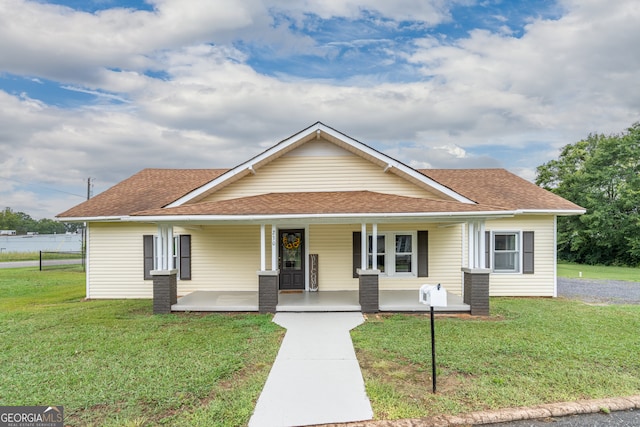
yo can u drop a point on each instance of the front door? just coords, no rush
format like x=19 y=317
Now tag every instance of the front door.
x=291 y=260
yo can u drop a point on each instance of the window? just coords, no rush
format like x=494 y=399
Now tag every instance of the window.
x=380 y=253
x=401 y=251
x=404 y=252
x=409 y=253
x=506 y=252
x=181 y=255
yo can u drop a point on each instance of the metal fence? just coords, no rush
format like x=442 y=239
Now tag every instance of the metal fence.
x=50 y=260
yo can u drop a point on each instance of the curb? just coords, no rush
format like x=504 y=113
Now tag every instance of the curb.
x=511 y=414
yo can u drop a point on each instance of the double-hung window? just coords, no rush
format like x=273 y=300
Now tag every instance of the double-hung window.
x=380 y=252
x=396 y=253
x=506 y=252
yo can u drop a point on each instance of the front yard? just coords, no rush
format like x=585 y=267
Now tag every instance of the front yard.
x=531 y=351
x=114 y=363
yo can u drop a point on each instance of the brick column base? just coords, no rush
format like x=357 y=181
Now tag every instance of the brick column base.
x=476 y=291
x=268 y=291
x=369 y=294
x=165 y=290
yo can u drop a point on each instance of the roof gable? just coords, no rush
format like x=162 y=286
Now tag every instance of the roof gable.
x=316 y=132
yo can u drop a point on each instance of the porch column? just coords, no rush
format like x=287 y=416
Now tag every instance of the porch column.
x=164 y=249
x=363 y=246
x=476 y=242
x=268 y=291
x=374 y=247
x=476 y=275
x=263 y=255
x=476 y=290
x=274 y=248
x=368 y=280
x=165 y=283
x=368 y=291
x=165 y=290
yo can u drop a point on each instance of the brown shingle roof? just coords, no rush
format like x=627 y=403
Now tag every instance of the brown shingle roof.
x=333 y=202
x=498 y=187
x=148 y=189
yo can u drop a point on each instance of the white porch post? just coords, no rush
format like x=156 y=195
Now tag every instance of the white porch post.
x=476 y=244
x=274 y=247
x=481 y=245
x=363 y=246
x=470 y=245
x=164 y=249
x=374 y=247
x=263 y=250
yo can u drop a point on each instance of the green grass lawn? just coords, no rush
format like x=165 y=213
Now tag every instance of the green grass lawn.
x=114 y=363
x=531 y=351
x=35 y=256
x=571 y=270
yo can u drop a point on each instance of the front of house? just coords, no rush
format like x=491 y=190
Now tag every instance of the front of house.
x=320 y=211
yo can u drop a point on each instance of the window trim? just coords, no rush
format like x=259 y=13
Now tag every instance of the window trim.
x=390 y=253
x=518 y=251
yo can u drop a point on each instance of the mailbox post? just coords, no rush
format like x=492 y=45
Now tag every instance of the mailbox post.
x=435 y=296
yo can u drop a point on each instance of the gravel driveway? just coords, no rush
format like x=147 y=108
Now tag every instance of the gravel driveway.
x=600 y=291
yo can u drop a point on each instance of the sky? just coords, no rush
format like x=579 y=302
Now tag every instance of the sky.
x=101 y=89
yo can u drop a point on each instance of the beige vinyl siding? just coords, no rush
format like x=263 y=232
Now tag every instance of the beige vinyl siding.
x=320 y=173
x=225 y=258
x=222 y=258
x=333 y=244
x=444 y=258
x=116 y=267
x=542 y=282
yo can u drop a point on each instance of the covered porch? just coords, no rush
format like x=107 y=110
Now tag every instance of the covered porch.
x=304 y=301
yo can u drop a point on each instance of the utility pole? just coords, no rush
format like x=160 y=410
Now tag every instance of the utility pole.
x=88 y=188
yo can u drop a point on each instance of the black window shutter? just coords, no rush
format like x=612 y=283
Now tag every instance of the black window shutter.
x=527 y=252
x=357 y=253
x=423 y=253
x=487 y=249
x=147 y=256
x=185 y=257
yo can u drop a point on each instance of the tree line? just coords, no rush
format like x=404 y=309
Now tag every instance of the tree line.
x=601 y=174
x=22 y=223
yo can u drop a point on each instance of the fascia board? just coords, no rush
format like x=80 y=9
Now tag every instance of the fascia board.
x=562 y=212
x=356 y=217
x=90 y=219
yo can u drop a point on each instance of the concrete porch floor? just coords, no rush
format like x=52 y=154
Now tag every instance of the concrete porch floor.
x=322 y=301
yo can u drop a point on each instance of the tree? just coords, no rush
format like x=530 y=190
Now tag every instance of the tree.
x=23 y=223
x=601 y=174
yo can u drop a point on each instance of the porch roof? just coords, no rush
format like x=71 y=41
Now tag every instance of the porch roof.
x=320 y=203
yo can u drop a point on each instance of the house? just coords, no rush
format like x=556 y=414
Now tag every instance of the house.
x=320 y=211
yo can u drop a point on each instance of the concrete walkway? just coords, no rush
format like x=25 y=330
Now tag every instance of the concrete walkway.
x=316 y=377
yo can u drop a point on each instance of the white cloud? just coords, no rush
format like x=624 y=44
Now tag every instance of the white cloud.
x=561 y=80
